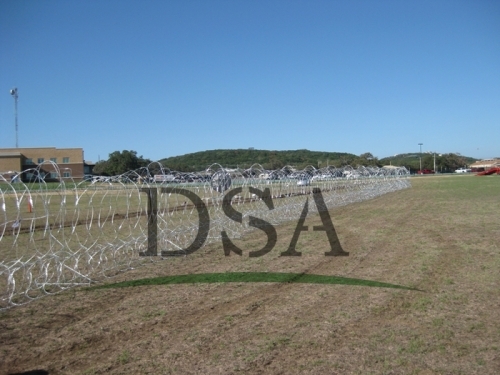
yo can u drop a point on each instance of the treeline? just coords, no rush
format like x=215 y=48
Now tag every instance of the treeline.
x=123 y=161
x=245 y=158
x=445 y=163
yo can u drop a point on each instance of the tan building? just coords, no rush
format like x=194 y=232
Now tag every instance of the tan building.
x=43 y=162
x=483 y=165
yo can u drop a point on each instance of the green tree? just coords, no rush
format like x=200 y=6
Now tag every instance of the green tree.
x=428 y=161
x=367 y=159
x=120 y=162
x=100 y=168
x=367 y=156
x=450 y=162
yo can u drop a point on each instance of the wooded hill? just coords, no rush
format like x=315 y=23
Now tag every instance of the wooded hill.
x=122 y=161
x=245 y=158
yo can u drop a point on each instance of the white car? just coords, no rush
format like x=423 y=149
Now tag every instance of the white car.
x=462 y=170
x=303 y=182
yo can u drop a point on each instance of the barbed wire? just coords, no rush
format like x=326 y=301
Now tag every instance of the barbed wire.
x=57 y=235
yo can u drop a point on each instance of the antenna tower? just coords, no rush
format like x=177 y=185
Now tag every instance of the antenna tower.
x=13 y=92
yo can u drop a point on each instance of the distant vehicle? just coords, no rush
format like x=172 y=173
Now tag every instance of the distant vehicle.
x=462 y=170
x=425 y=171
x=100 y=179
x=350 y=174
x=303 y=182
x=158 y=178
x=323 y=177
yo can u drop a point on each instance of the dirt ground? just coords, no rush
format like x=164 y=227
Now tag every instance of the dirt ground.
x=441 y=237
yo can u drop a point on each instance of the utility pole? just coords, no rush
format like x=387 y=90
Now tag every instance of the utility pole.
x=420 y=144
x=13 y=92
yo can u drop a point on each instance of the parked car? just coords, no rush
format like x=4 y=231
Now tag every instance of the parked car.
x=425 y=171
x=462 y=170
x=303 y=182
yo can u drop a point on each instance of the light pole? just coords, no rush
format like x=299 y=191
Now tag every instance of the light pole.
x=13 y=92
x=420 y=144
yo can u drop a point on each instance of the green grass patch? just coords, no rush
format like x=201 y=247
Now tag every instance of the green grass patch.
x=250 y=277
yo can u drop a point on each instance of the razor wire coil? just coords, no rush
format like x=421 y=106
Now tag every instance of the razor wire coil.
x=58 y=235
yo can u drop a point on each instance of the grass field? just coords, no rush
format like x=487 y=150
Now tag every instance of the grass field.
x=435 y=245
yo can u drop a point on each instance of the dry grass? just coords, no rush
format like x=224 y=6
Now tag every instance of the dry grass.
x=440 y=236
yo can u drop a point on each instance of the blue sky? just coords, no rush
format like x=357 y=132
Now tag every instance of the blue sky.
x=167 y=78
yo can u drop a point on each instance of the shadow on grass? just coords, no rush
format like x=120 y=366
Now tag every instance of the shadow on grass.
x=251 y=277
